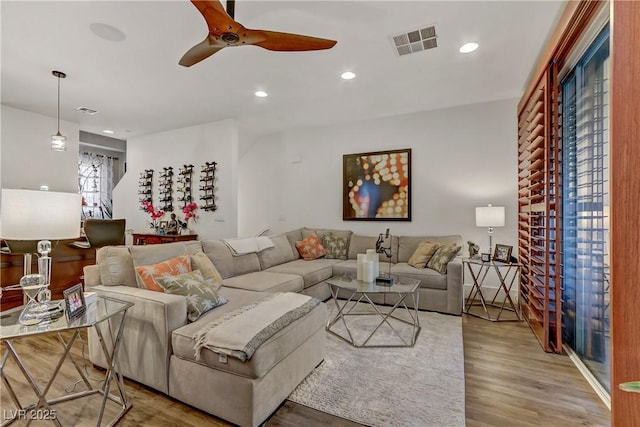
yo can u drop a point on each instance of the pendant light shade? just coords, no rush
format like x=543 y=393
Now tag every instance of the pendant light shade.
x=59 y=141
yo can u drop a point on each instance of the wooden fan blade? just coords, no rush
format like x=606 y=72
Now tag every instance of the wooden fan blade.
x=218 y=20
x=202 y=50
x=273 y=40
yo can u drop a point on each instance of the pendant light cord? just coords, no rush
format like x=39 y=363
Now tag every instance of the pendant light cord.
x=58 y=105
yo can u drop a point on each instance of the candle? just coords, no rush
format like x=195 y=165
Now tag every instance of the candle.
x=361 y=259
x=372 y=256
x=367 y=272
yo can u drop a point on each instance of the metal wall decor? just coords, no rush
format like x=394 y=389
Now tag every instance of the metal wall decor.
x=184 y=185
x=144 y=187
x=207 y=178
x=166 y=189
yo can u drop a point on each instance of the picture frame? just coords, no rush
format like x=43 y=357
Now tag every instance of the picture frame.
x=502 y=253
x=163 y=225
x=376 y=186
x=485 y=257
x=74 y=302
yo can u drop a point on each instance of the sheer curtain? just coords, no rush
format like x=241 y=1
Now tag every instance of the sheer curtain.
x=96 y=178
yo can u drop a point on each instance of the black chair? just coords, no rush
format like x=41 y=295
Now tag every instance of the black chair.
x=105 y=232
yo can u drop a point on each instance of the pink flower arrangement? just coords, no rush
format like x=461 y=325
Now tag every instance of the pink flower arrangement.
x=154 y=214
x=189 y=213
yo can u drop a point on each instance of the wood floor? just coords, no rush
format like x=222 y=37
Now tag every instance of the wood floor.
x=510 y=381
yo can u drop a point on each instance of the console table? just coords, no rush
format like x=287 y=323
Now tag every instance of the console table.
x=153 y=238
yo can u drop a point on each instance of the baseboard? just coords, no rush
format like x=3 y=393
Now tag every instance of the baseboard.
x=586 y=373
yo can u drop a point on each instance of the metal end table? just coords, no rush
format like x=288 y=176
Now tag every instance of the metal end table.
x=503 y=272
x=100 y=314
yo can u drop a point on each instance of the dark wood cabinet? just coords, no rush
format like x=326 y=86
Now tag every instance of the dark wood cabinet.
x=66 y=271
x=153 y=238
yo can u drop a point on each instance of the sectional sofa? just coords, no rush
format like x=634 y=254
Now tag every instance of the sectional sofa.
x=157 y=344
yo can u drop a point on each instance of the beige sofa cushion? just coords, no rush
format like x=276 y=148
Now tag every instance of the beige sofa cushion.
x=423 y=254
x=293 y=237
x=429 y=278
x=267 y=355
x=116 y=266
x=266 y=281
x=321 y=232
x=360 y=244
x=312 y=272
x=227 y=264
x=279 y=254
x=409 y=244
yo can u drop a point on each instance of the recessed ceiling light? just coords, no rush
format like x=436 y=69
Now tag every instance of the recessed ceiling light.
x=468 y=47
x=261 y=94
x=348 y=75
x=108 y=131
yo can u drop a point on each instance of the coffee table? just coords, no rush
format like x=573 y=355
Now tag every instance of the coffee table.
x=107 y=317
x=356 y=291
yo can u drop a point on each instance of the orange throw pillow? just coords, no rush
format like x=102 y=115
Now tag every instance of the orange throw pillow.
x=172 y=267
x=310 y=247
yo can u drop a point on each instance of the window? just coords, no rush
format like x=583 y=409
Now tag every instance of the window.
x=97 y=175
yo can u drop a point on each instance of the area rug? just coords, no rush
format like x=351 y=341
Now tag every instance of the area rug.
x=388 y=387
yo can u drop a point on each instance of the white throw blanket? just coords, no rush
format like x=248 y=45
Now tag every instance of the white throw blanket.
x=248 y=245
x=241 y=331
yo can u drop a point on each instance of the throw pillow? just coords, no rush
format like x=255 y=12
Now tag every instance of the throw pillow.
x=423 y=254
x=172 y=267
x=311 y=247
x=201 y=296
x=335 y=246
x=442 y=257
x=200 y=261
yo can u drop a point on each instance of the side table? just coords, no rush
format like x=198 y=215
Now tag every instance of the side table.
x=107 y=316
x=503 y=272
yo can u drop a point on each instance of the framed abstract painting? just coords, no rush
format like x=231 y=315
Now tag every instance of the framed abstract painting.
x=377 y=186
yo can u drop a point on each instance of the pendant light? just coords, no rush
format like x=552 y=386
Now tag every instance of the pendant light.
x=59 y=141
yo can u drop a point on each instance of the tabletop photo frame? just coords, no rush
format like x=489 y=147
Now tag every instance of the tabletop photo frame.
x=502 y=253
x=74 y=302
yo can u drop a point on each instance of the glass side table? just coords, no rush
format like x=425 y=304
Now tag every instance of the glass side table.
x=506 y=273
x=107 y=316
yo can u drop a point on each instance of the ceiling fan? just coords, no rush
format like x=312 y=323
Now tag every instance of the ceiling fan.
x=224 y=31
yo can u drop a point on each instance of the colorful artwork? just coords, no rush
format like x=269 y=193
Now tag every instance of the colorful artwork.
x=376 y=186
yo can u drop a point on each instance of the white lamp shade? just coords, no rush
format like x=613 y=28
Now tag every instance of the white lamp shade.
x=490 y=216
x=39 y=215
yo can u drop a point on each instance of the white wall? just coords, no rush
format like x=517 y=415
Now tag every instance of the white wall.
x=26 y=156
x=462 y=157
x=191 y=145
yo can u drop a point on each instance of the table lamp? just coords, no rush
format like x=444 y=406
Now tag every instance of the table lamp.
x=39 y=215
x=490 y=216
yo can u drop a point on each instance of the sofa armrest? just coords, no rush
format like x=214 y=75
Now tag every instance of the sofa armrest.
x=146 y=341
x=91 y=276
x=455 y=288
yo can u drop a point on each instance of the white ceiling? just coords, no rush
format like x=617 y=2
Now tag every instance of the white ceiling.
x=139 y=88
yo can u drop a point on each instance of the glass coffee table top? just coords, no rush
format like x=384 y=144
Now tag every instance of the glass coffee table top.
x=400 y=285
x=97 y=311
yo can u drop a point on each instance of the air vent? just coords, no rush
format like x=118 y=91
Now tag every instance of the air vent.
x=416 y=41
x=87 y=110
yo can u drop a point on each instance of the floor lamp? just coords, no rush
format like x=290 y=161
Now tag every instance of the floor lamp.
x=43 y=216
x=490 y=216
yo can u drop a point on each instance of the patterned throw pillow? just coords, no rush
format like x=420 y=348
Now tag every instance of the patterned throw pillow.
x=423 y=254
x=335 y=246
x=149 y=273
x=201 y=261
x=201 y=296
x=442 y=257
x=310 y=247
